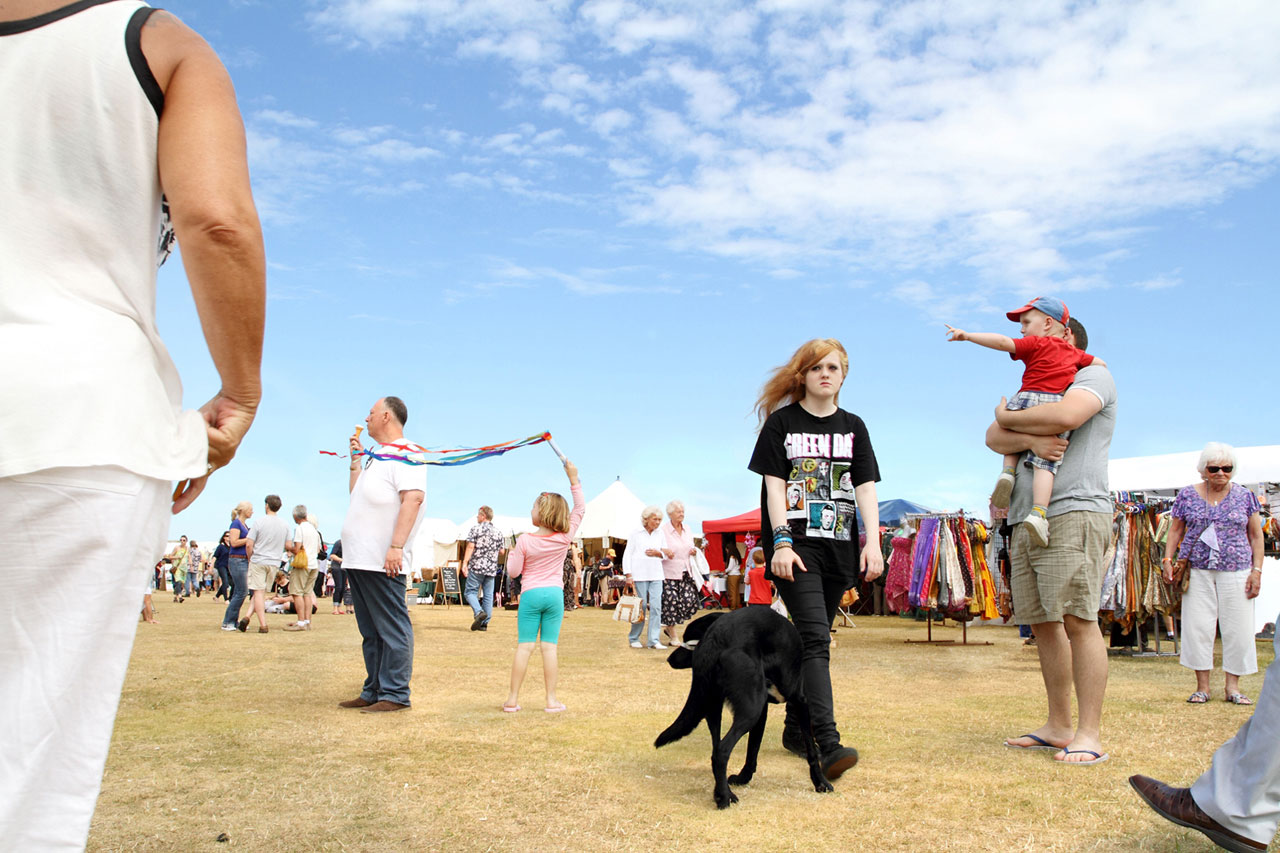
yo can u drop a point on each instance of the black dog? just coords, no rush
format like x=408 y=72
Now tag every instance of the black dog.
x=748 y=658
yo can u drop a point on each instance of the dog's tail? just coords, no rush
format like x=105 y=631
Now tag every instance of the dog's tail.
x=690 y=716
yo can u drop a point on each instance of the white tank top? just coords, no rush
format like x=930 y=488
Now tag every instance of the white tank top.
x=84 y=378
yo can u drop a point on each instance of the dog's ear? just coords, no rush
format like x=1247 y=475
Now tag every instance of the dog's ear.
x=681 y=658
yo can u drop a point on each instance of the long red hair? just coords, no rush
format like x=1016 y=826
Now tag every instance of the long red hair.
x=786 y=384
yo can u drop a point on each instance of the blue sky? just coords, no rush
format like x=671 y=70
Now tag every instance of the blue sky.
x=611 y=219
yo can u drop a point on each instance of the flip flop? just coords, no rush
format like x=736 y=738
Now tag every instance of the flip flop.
x=1040 y=743
x=555 y=709
x=1098 y=757
x=1239 y=699
x=510 y=709
x=1199 y=698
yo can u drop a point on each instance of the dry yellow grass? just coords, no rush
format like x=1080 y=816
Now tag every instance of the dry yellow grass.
x=240 y=734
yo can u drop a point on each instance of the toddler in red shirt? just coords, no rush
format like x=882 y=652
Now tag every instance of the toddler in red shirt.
x=1050 y=368
x=761 y=589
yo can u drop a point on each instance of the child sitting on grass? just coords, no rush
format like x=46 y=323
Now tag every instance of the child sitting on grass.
x=539 y=558
x=1050 y=368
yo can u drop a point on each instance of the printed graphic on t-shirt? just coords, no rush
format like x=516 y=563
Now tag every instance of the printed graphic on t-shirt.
x=820 y=487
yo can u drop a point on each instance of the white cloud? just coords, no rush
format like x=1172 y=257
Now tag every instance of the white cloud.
x=1160 y=282
x=284 y=118
x=1023 y=140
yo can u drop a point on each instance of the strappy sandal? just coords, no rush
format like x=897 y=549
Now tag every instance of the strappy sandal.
x=1200 y=697
x=1239 y=699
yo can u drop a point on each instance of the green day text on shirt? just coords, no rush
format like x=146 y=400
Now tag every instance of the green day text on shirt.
x=820 y=484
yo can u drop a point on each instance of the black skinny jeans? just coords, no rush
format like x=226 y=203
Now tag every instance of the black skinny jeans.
x=340 y=589
x=812 y=600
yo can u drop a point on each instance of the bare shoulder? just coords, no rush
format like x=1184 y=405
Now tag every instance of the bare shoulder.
x=167 y=43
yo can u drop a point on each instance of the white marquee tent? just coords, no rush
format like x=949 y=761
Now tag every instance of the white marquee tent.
x=1169 y=472
x=1172 y=471
x=615 y=513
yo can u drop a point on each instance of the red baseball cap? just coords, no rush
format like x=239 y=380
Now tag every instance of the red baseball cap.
x=1055 y=308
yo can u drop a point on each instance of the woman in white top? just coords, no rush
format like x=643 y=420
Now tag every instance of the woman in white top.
x=642 y=565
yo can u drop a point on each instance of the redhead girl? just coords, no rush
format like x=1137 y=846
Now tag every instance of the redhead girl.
x=539 y=557
x=813 y=557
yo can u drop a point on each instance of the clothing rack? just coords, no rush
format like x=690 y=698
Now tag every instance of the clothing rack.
x=973 y=578
x=964 y=636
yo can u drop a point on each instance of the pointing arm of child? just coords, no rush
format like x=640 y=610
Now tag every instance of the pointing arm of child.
x=990 y=340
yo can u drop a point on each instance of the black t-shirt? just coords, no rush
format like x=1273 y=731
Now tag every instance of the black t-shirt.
x=822 y=460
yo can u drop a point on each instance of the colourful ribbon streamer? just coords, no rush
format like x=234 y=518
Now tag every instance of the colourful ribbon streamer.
x=413 y=454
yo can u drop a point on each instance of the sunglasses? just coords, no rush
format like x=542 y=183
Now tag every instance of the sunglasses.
x=1213 y=469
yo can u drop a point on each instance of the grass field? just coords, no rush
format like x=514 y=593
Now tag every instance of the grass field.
x=240 y=734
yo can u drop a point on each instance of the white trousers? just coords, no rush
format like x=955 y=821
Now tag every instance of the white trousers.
x=76 y=547
x=1216 y=600
x=1241 y=790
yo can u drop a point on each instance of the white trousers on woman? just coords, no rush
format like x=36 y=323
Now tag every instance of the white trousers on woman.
x=1216 y=600
x=1241 y=790
x=76 y=547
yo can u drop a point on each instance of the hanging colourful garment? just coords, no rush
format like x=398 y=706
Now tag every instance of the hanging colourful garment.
x=897 y=584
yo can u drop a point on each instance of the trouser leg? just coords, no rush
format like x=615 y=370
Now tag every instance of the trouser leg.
x=812 y=601
x=1241 y=790
x=76 y=545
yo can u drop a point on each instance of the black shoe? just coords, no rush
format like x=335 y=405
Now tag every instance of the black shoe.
x=793 y=741
x=484 y=627
x=243 y=625
x=838 y=760
x=479 y=622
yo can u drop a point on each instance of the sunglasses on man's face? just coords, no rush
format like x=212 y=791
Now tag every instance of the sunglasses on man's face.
x=1213 y=469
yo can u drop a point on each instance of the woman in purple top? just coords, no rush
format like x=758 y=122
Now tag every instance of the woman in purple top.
x=1217 y=527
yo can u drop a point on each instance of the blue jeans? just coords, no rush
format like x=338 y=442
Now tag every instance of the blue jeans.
x=650 y=593
x=238 y=570
x=383 y=619
x=479 y=593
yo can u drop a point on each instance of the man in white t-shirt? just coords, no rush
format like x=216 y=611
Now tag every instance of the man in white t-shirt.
x=265 y=547
x=302 y=580
x=387 y=500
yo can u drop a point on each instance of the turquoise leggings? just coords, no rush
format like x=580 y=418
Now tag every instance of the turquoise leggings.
x=541 y=610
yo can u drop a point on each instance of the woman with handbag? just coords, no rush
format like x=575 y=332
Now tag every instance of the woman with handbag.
x=1215 y=535
x=642 y=568
x=680 y=596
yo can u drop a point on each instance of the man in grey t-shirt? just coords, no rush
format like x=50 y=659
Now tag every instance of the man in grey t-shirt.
x=265 y=548
x=1056 y=590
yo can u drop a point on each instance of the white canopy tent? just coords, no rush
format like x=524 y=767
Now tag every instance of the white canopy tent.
x=614 y=513
x=1169 y=472
x=435 y=543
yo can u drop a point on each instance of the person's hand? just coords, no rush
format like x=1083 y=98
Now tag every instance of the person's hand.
x=668 y=554
x=784 y=564
x=954 y=334
x=464 y=570
x=1253 y=585
x=393 y=562
x=872 y=562
x=571 y=471
x=652 y=552
x=227 y=419
x=355 y=445
x=1166 y=572
x=693 y=551
x=1048 y=447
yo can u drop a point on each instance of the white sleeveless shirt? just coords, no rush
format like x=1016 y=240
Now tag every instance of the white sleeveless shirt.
x=84 y=378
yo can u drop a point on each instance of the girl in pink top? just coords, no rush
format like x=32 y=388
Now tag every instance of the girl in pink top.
x=539 y=557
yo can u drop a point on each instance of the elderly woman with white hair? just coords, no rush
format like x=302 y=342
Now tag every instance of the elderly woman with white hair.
x=642 y=565
x=680 y=598
x=1217 y=528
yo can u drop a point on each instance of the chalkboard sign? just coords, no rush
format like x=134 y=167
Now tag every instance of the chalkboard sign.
x=449 y=580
